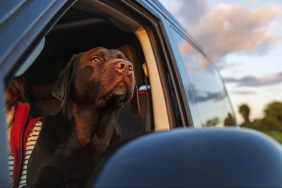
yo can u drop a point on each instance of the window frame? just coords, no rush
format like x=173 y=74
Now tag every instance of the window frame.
x=36 y=28
x=17 y=47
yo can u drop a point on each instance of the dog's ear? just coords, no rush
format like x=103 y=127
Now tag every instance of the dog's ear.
x=64 y=82
x=135 y=106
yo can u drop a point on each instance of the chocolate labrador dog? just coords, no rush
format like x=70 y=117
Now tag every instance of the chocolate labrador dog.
x=93 y=87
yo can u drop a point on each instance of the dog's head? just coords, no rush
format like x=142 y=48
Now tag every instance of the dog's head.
x=99 y=76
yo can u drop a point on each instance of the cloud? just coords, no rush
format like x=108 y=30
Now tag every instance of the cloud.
x=201 y=95
x=245 y=92
x=208 y=96
x=227 y=28
x=255 y=81
x=204 y=96
x=183 y=9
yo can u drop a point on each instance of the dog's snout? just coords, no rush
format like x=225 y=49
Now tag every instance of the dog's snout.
x=124 y=67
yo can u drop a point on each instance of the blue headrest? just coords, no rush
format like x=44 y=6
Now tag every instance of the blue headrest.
x=196 y=157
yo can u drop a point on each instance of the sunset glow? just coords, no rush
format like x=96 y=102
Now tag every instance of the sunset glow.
x=243 y=40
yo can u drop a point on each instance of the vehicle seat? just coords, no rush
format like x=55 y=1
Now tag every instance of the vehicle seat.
x=46 y=102
x=130 y=121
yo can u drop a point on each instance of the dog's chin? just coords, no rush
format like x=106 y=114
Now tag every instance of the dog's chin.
x=119 y=91
x=117 y=97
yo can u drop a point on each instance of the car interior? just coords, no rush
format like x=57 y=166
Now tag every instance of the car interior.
x=80 y=30
x=194 y=157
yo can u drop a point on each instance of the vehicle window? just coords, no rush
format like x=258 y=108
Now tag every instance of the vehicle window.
x=206 y=91
x=81 y=29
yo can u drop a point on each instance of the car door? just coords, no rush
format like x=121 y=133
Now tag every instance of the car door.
x=201 y=87
x=28 y=26
x=38 y=38
x=22 y=26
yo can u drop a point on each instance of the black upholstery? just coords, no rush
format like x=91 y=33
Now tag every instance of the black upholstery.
x=195 y=158
x=130 y=122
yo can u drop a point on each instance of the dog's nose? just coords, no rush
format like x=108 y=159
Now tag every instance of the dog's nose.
x=124 y=67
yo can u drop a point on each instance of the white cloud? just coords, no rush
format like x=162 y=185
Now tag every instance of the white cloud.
x=227 y=28
x=187 y=12
x=255 y=81
x=245 y=92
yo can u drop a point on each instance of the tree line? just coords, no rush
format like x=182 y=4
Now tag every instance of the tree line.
x=271 y=120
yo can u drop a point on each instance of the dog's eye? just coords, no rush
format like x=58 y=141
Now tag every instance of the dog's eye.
x=119 y=56
x=95 y=59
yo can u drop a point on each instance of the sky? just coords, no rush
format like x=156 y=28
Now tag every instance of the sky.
x=243 y=38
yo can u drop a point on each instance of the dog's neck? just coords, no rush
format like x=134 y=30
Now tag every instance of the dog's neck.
x=90 y=121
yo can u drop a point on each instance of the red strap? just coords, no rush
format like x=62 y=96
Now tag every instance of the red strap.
x=20 y=129
x=144 y=93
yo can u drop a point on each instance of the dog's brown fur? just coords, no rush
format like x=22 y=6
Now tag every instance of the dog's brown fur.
x=93 y=87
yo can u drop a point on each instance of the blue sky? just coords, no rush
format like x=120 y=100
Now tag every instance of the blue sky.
x=244 y=40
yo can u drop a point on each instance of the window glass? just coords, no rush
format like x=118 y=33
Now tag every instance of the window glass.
x=206 y=90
